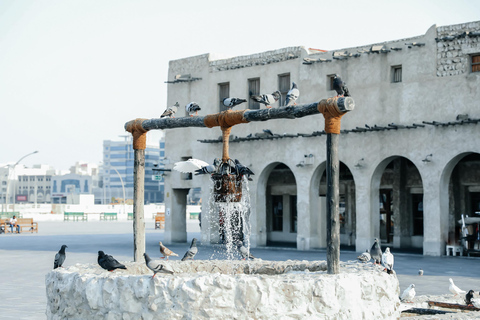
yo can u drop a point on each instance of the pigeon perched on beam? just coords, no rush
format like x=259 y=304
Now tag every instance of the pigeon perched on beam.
x=166 y=252
x=243 y=170
x=60 y=257
x=156 y=266
x=230 y=103
x=170 y=111
x=387 y=260
x=376 y=252
x=408 y=294
x=192 y=108
x=340 y=87
x=365 y=256
x=292 y=95
x=108 y=262
x=267 y=99
x=190 y=166
x=190 y=254
x=206 y=170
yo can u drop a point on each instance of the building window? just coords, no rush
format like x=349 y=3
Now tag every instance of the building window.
x=253 y=89
x=396 y=74
x=417 y=210
x=223 y=92
x=283 y=87
x=476 y=63
x=277 y=214
x=293 y=213
x=330 y=78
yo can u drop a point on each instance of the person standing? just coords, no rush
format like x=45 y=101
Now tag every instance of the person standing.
x=13 y=223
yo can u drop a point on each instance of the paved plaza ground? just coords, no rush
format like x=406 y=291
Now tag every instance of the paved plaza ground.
x=27 y=258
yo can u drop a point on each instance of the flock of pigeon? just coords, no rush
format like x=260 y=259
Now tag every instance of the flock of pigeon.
x=266 y=99
x=109 y=263
x=386 y=259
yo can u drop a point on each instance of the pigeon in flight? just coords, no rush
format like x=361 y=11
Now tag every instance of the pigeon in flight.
x=60 y=257
x=243 y=170
x=170 y=111
x=156 y=266
x=229 y=103
x=108 y=262
x=166 y=252
x=292 y=95
x=387 y=260
x=365 y=257
x=267 y=99
x=376 y=252
x=468 y=297
x=454 y=289
x=189 y=166
x=409 y=293
x=190 y=254
x=340 y=87
x=244 y=252
x=192 y=108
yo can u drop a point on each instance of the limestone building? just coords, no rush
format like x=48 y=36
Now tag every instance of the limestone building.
x=409 y=152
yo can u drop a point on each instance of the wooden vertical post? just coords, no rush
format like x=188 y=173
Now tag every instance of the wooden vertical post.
x=333 y=225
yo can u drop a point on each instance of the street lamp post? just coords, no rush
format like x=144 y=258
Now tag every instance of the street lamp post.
x=8 y=180
x=123 y=188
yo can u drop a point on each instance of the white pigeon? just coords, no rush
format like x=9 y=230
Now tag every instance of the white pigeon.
x=387 y=260
x=192 y=108
x=454 y=289
x=267 y=99
x=292 y=95
x=409 y=293
x=365 y=256
x=189 y=166
x=170 y=111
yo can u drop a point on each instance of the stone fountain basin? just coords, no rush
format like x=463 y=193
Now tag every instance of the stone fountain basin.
x=223 y=289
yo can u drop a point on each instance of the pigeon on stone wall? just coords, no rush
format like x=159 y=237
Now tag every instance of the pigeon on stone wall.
x=340 y=87
x=387 y=260
x=189 y=166
x=408 y=294
x=376 y=252
x=469 y=297
x=170 y=111
x=156 y=266
x=365 y=256
x=229 y=103
x=190 y=254
x=243 y=170
x=192 y=108
x=268 y=132
x=166 y=252
x=246 y=254
x=108 y=262
x=454 y=289
x=292 y=95
x=59 y=257
x=267 y=99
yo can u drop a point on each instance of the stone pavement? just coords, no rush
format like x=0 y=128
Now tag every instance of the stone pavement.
x=27 y=258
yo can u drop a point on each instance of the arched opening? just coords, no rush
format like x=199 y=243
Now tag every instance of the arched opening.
x=281 y=207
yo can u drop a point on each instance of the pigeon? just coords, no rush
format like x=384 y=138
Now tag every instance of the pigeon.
x=190 y=254
x=108 y=262
x=267 y=99
x=229 y=103
x=420 y=272
x=365 y=256
x=243 y=170
x=244 y=252
x=170 y=111
x=340 y=87
x=468 y=297
x=166 y=252
x=268 y=132
x=409 y=293
x=192 y=108
x=156 y=266
x=205 y=170
x=60 y=257
x=387 y=260
x=376 y=252
x=292 y=95
x=454 y=289
x=189 y=166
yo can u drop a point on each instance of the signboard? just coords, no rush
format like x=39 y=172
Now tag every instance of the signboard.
x=21 y=198
x=157 y=178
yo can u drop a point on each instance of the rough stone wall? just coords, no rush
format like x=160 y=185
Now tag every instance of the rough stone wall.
x=455 y=44
x=221 y=290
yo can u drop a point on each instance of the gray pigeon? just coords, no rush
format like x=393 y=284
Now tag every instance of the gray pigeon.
x=170 y=111
x=365 y=257
x=268 y=132
x=60 y=257
x=232 y=102
x=267 y=99
x=192 y=108
x=205 y=170
x=156 y=266
x=108 y=262
x=292 y=95
x=376 y=252
x=243 y=170
x=340 y=87
x=244 y=252
x=190 y=254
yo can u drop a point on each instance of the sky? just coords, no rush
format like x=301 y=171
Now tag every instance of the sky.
x=72 y=73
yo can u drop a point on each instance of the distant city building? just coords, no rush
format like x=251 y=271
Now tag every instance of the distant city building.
x=31 y=185
x=66 y=189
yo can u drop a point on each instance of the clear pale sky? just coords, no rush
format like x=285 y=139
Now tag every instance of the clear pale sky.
x=72 y=72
